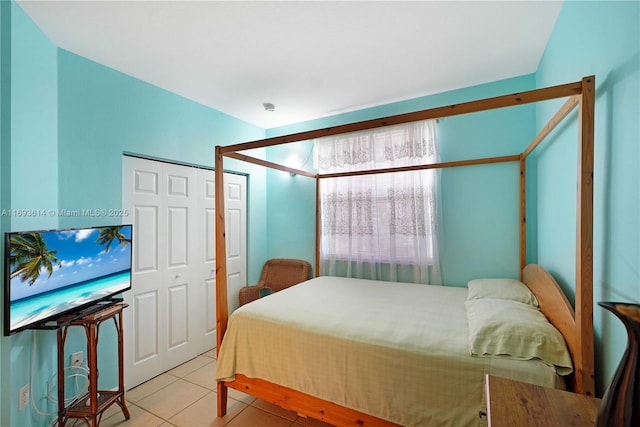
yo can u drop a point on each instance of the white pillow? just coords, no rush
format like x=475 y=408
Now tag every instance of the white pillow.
x=500 y=327
x=509 y=289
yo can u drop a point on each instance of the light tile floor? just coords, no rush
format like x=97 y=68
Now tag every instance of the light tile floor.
x=186 y=397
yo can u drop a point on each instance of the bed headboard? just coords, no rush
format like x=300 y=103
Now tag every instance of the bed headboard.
x=555 y=305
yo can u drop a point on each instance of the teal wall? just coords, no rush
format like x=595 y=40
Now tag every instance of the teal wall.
x=66 y=122
x=30 y=182
x=103 y=113
x=291 y=205
x=34 y=154
x=603 y=39
x=478 y=202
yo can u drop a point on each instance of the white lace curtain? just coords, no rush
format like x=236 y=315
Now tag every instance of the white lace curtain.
x=381 y=226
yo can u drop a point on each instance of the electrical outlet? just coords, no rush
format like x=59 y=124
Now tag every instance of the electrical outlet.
x=77 y=359
x=23 y=397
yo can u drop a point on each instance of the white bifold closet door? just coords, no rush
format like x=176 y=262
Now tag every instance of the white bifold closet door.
x=171 y=316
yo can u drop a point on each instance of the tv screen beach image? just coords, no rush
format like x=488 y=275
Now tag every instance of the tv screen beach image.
x=53 y=272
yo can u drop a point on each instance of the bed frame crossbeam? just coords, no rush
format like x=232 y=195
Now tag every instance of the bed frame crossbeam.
x=563 y=112
x=269 y=164
x=581 y=94
x=520 y=98
x=441 y=165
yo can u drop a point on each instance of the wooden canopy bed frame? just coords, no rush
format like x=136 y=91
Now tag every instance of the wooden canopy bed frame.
x=576 y=326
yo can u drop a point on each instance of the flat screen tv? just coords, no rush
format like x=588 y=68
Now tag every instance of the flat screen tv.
x=55 y=272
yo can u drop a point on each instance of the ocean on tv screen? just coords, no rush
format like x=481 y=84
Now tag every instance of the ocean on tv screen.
x=52 y=272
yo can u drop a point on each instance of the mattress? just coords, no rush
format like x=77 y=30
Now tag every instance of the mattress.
x=396 y=351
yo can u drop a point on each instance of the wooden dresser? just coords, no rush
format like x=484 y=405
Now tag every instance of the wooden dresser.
x=514 y=403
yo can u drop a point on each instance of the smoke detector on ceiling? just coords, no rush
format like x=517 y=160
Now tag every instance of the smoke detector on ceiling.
x=269 y=107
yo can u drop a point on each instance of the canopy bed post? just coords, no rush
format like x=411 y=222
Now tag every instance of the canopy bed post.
x=222 y=308
x=584 y=354
x=523 y=214
x=318 y=228
x=584 y=235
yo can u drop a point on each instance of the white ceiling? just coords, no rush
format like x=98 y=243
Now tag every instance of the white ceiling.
x=310 y=59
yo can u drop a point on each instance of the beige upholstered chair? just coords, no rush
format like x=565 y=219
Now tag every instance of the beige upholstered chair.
x=277 y=274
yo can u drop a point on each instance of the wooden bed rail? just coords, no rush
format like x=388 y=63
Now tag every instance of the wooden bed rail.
x=306 y=405
x=581 y=94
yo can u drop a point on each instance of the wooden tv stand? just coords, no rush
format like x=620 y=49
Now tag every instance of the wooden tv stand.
x=91 y=406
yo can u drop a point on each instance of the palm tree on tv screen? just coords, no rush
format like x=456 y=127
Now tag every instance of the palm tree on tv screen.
x=29 y=255
x=109 y=234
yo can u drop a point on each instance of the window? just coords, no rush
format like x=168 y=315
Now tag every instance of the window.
x=385 y=225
